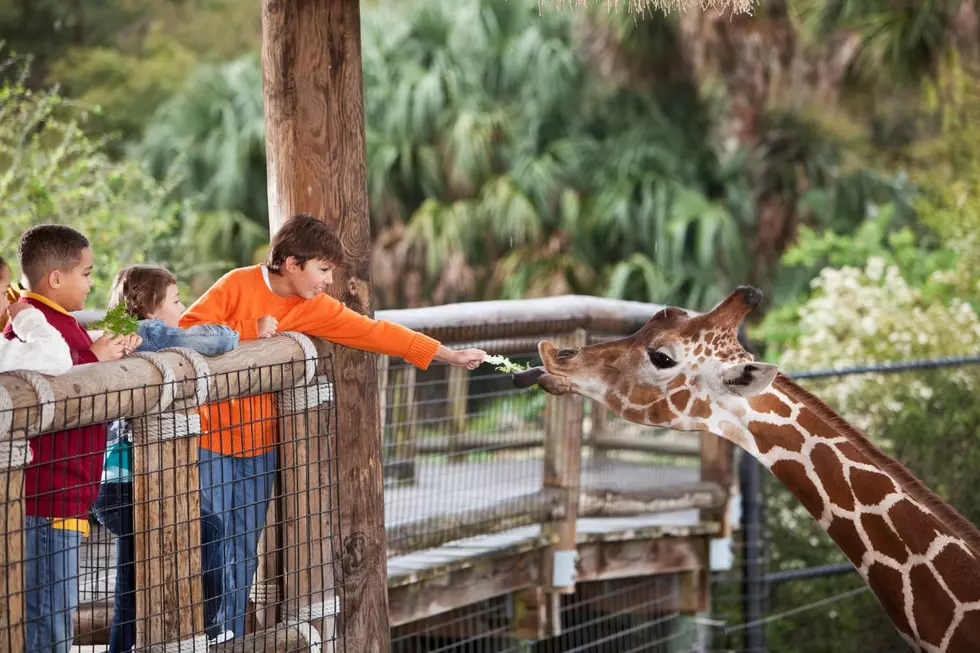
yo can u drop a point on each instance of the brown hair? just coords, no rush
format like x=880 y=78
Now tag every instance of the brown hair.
x=140 y=289
x=47 y=247
x=304 y=238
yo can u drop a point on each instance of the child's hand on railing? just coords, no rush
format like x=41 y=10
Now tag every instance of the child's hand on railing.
x=267 y=326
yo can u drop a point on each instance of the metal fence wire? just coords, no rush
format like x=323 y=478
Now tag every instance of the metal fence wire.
x=199 y=512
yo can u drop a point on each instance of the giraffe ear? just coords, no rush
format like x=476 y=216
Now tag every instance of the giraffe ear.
x=748 y=379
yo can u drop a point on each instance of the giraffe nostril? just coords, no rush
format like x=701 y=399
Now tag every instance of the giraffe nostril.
x=566 y=353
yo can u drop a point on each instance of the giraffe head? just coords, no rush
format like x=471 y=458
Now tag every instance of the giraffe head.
x=674 y=372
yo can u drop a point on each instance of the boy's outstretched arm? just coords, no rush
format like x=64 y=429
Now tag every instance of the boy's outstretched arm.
x=43 y=349
x=330 y=319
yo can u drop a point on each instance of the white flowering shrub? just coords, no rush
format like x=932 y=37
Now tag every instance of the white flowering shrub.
x=862 y=316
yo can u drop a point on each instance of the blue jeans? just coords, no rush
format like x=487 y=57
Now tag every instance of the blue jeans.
x=114 y=510
x=51 y=578
x=235 y=495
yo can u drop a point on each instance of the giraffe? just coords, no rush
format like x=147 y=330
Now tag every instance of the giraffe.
x=688 y=372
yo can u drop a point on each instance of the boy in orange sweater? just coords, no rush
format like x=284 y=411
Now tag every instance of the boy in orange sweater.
x=238 y=456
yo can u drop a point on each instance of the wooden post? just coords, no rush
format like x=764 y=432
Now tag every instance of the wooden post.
x=600 y=430
x=13 y=457
x=562 y=473
x=717 y=466
x=266 y=592
x=404 y=422
x=167 y=535
x=316 y=162
x=308 y=480
x=458 y=392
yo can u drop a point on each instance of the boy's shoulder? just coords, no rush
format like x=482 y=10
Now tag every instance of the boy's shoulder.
x=60 y=320
x=248 y=275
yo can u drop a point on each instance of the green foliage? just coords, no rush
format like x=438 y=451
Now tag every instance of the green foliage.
x=903 y=40
x=118 y=321
x=125 y=87
x=52 y=172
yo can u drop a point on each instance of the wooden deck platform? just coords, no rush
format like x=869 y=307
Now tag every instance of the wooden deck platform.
x=452 y=491
x=467 y=570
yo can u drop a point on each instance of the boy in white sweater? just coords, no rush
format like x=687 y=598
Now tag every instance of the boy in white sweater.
x=38 y=347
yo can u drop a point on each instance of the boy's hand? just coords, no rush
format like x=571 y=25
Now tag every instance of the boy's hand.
x=109 y=347
x=130 y=343
x=468 y=358
x=16 y=308
x=268 y=326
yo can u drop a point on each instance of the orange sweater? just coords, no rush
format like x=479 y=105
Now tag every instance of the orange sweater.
x=247 y=427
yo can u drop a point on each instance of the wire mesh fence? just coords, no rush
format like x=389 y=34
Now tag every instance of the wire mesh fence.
x=181 y=503
x=791 y=588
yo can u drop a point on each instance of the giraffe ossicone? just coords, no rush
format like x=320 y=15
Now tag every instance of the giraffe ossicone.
x=689 y=373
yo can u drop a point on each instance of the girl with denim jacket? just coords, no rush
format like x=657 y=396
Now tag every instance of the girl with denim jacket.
x=150 y=294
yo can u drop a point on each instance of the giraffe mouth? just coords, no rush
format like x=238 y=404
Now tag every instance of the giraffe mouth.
x=550 y=383
x=528 y=378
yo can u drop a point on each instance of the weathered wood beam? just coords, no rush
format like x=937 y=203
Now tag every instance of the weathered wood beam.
x=604 y=560
x=501 y=516
x=489 y=577
x=316 y=162
x=669 y=498
x=516 y=318
x=97 y=393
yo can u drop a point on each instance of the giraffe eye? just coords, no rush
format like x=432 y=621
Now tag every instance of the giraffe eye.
x=661 y=360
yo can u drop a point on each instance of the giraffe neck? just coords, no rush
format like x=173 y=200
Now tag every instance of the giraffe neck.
x=918 y=555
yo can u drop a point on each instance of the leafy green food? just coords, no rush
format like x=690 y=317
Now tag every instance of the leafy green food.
x=117 y=321
x=505 y=365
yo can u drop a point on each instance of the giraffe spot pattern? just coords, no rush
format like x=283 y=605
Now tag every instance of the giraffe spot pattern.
x=782 y=435
x=831 y=473
x=881 y=578
x=644 y=395
x=768 y=404
x=813 y=424
x=794 y=476
x=932 y=608
x=917 y=527
x=870 y=488
x=700 y=408
x=852 y=453
x=883 y=539
x=680 y=399
x=677 y=383
x=959 y=571
x=848 y=539
x=967 y=634
x=660 y=413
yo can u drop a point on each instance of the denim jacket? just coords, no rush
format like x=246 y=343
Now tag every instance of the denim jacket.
x=205 y=339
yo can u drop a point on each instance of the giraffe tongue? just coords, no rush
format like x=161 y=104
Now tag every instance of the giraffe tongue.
x=527 y=378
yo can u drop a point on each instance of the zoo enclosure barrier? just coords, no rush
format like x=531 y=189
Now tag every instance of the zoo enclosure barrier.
x=464 y=455
x=193 y=560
